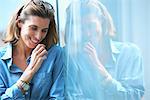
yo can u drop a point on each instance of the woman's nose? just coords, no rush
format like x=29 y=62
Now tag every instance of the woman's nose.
x=38 y=36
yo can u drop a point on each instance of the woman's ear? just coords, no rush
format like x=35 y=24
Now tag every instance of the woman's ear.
x=19 y=23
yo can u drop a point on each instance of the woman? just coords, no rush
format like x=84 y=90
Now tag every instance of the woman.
x=99 y=68
x=31 y=65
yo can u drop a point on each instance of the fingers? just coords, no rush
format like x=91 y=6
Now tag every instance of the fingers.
x=43 y=52
x=39 y=53
x=41 y=56
x=90 y=49
x=38 y=47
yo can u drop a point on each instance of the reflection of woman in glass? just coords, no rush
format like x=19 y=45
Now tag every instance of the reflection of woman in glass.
x=99 y=68
x=31 y=65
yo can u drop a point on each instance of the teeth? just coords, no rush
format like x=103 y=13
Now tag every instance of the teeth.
x=34 y=41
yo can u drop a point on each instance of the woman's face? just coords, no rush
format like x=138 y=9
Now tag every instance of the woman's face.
x=33 y=30
x=91 y=29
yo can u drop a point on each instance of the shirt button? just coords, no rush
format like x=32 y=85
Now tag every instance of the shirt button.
x=26 y=93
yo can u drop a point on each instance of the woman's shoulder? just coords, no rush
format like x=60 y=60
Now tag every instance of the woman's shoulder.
x=127 y=47
x=55 y=49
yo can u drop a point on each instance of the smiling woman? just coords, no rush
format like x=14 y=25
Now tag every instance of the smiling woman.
x=31 y=63
x=34 y=30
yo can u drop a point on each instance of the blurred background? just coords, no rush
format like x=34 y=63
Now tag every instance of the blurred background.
x=131 y=18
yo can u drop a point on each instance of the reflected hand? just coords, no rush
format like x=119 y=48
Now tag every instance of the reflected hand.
x=92 y=53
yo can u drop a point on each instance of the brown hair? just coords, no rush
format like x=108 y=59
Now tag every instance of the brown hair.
x=101 y=11
x=39 y=8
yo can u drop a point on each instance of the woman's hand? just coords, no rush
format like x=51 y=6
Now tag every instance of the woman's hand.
x=92 y=53
x=37 y=57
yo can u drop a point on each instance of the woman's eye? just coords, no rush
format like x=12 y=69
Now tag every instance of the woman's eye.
x=45 y=30
x=34 y=28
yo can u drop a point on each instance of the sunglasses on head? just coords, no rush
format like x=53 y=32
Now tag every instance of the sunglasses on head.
x=44 y=5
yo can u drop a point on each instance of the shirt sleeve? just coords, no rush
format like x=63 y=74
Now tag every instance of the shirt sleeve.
x=7 y=92
x=57 y=89
x=128 y=84
x=11 y=93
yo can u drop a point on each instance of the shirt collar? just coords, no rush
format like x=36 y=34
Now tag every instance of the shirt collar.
x=114 y=48
x=8 y=54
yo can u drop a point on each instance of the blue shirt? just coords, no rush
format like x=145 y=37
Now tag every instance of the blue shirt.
x=124 y=65
x=47 y=83
x=126 y=69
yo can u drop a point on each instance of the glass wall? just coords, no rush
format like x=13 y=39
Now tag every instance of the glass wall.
x=132 y=21
x=132 y=18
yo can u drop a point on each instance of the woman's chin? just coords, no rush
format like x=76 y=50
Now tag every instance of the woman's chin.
x=31 y=45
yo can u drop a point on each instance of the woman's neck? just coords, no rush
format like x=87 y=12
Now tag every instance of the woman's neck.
x=21 y=49
x=20 y=54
